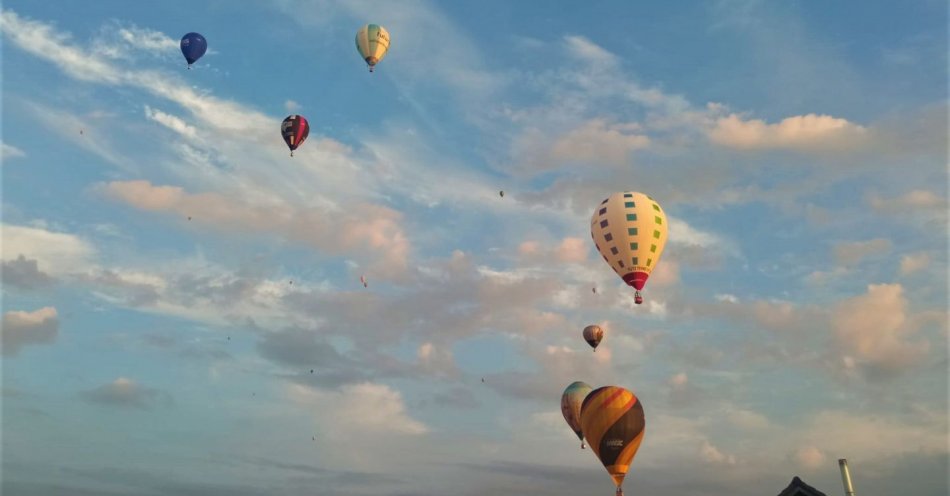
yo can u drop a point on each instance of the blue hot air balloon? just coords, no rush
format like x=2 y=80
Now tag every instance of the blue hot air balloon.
x=193 y=46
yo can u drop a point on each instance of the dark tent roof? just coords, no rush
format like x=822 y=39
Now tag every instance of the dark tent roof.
x=799 y=488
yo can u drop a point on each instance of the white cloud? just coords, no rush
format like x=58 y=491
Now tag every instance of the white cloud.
x=679 y=380
x=21 y=328
x=809 y=457
x=851 y=253
x=569 y=250
x=587 y=50
x=41 y=40
x=436 y=360
x=148 y=40
x=876 y=437
x=748 y=419
x=126 y=393
x=726 y=297
x=914 y=262
x=779 y=316
x=666 y=274
x=24 y=273
x=8 y=152
x=56 y=253
x=195 y=289
x=117 y=41
x=425 y=351
x=291 y=106
x=823 y=277
x=918 y=199
x=873 y=329
x=682 y=233
x=171 y=122
x=804 y=133
x=369 y=231
x=598 y=142
x=713 y=455
x=361 y=409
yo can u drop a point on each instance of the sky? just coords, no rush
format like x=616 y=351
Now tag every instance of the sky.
x=171 y=276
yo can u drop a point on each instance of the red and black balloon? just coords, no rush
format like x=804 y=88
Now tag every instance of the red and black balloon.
x=295 y=130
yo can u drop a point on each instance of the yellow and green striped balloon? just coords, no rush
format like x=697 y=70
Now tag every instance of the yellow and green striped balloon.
x=372 y=41
x=613 y=424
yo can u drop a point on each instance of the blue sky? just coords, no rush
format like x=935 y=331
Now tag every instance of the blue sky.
x=798 y=316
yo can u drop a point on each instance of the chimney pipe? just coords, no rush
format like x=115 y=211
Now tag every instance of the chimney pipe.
x=846 y=477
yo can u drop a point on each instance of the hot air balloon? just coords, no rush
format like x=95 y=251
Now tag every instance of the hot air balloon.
x=295 y=130
x=629 y=230
x=501 y=194
x=612 y=421
x=372 y=41
x=193 y=46
x=363 y=280
x=593 y=334
x=571 y=402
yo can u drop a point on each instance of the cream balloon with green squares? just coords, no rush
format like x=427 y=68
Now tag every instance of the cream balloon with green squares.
x=629 y=230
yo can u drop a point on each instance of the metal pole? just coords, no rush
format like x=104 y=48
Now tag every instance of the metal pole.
x=845 y=477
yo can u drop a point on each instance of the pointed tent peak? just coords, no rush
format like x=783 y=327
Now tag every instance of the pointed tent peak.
x=798 y=488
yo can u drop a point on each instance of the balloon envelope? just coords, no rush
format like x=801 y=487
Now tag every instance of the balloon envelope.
x=372 y=41
x=629 y=230
x=613 y=423
x=295 y=130
x=593 y=334
x=571 y=402
x=193 y=46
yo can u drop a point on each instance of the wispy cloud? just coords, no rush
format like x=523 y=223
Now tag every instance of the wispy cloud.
x=22 y=328
x=362 y=409
x=126 y=393
x=25 y=273
x=874 y=331
x=371 y=231
x=805 y=133
x=9 y=152
x=54 y=252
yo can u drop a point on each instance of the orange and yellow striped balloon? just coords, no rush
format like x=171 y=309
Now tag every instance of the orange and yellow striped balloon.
x=613 y=424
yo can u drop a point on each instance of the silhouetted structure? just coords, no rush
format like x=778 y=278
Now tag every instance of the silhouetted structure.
x=799 y=488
